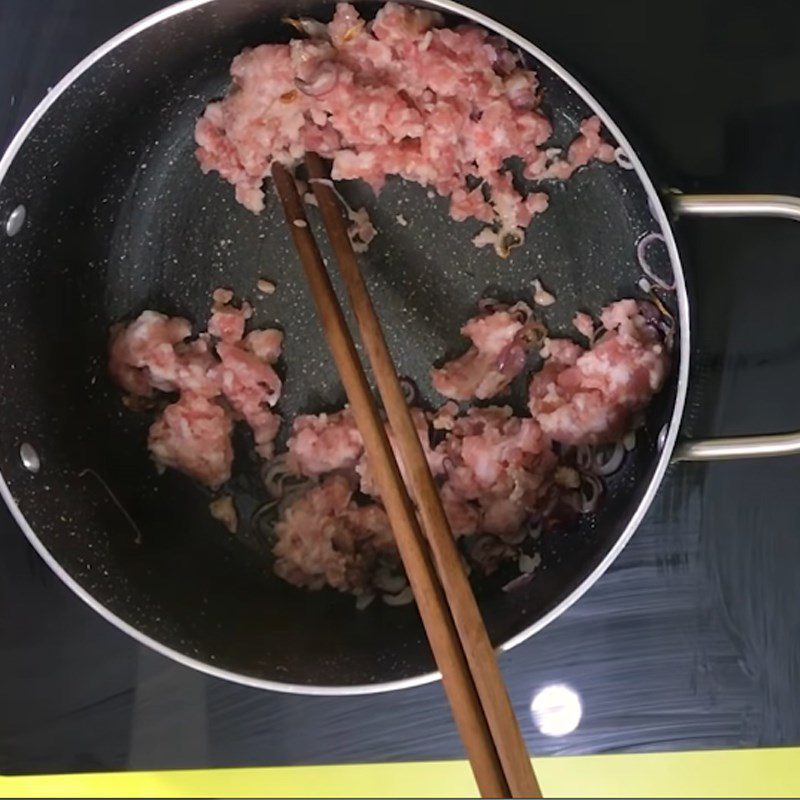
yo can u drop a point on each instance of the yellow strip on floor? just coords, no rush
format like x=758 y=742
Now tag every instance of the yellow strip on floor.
x=721 y=773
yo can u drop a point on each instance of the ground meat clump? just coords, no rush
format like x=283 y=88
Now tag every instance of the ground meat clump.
x=193 y=435
x=227 y=322
x=499 y=475
x=252 y=387
x=400 y=95
x=325 y=539
x=499 y=470
x=589 y=396
x=323 y=443
x=143 y=356
x=501 y=340
x=266 y=345
x=444 y=418
x=220 y=376
x=493 y=469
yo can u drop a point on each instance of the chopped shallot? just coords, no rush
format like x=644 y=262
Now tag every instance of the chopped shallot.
x=265 y=287
x=223 y=510
x=541 y=296
x=641 y=254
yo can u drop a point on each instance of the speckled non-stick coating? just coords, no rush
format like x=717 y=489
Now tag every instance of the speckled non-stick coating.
x=121 y=219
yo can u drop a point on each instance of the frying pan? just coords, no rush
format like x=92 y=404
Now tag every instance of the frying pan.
x=106 y=213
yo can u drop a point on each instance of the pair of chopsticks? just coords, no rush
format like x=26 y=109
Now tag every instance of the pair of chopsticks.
x=472 y=679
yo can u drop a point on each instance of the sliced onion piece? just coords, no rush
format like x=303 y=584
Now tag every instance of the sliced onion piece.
x=511 y=360
x=541 y=296
x=583 y=457
x=622 y=159
x=294 y=492
x=323 y=81
x=363 y=601
x=388 y=582
x=527 y=564
x=641 y=256
x=311 y=27
x=607 y=460
x=402 y=599
x=521 y=311
x=518 y=582
x=274 y=474
x=517 y=538
x=262 y=522
x=410 y=390
x=590 y=493
x=535 y=529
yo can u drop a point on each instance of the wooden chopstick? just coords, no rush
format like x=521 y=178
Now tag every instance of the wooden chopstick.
x=486 y=693
x=475 y=641
x=432 y=606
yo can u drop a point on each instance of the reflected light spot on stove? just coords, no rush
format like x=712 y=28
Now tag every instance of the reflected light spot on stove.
x=556 y=709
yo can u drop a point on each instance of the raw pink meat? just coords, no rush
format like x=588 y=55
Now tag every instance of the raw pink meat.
x=584 y=324
x=588 y=396
x=153 y=353
x=495 y=471
x=589 y=145
x=444 y=417
x=142 y=354
x=265 y=345
x=325 y=539
x=251 y=386
x=324 y=443
x=194 y=369
x=500 y=343
x=586 y=146
x=513 y=214
x=193 y=436
x=497 y=464
x=227 y=322
x=397 y=96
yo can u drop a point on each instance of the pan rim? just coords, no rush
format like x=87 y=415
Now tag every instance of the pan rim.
x=670 y=439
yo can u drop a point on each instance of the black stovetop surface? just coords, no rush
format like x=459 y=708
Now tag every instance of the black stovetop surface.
x=692 y=639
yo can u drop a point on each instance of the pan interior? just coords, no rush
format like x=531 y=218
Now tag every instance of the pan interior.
x=120 y=218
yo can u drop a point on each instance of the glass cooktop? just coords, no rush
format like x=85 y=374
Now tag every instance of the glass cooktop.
x=692 y=638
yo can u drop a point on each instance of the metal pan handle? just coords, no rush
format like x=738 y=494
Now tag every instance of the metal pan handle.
x=737 y=205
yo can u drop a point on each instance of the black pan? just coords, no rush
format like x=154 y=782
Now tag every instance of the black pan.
x=109 y=214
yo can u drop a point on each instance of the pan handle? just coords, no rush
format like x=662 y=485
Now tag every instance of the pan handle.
x=737 y=205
